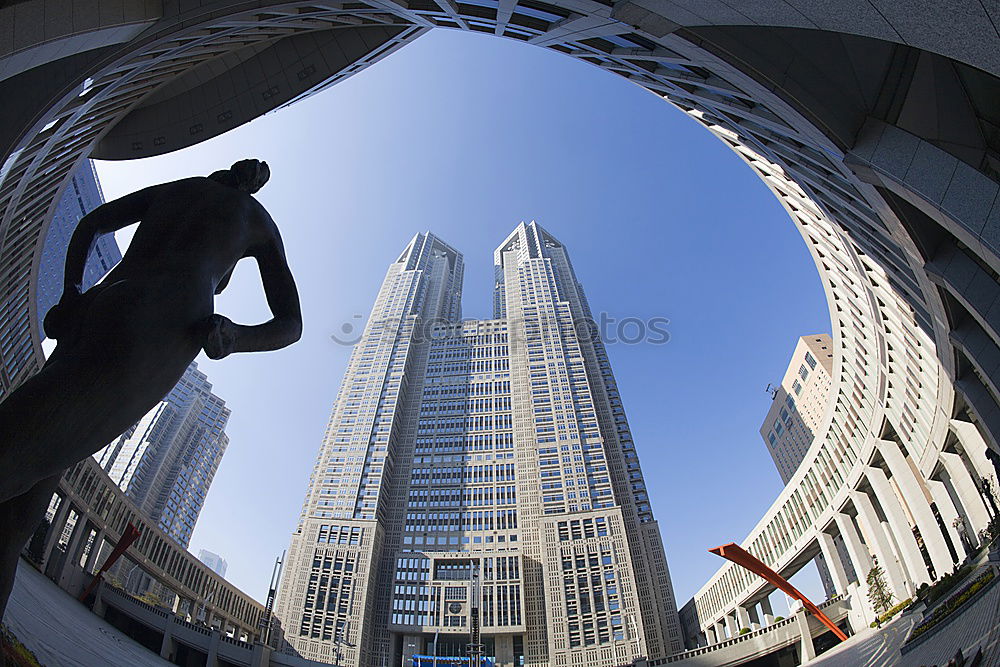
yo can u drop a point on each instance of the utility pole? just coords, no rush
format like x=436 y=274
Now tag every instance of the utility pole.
x=272 y=591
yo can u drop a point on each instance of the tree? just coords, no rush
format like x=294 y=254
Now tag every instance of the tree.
x=879 y=593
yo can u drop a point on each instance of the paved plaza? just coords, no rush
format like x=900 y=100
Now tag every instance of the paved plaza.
x=61 y=632
x=977 y=627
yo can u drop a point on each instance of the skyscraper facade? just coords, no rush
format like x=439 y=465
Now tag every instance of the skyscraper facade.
x=166 y=462
x=82 y=195
x=479 y=474
x=216 y=562
x=795 y=416
x=799 y=403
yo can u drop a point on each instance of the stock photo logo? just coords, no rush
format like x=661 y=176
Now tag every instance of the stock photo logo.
x=607 y=328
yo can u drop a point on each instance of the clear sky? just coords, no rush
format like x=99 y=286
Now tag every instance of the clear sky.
x=465 y=136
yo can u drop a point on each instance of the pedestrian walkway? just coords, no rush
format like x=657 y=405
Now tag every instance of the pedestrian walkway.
x=978 y=626
x=870 y=648
x=61 y=632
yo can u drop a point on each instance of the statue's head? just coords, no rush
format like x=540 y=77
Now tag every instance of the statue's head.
x=247 y=175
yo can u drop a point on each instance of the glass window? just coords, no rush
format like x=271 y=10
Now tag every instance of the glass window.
x=811 y=360
x=803 y=372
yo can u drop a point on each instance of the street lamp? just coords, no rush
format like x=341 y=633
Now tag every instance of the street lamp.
x=338 y=641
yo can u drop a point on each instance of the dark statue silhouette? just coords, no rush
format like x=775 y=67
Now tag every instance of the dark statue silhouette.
x=123 y=344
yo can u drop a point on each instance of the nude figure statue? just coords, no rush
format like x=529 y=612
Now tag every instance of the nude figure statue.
x=123 y=344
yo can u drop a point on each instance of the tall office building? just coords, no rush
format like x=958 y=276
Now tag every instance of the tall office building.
x=167 y=460
x=82 y=195
x=214 y=561
x=478 y=473
x=794 y=418
x=799 y=403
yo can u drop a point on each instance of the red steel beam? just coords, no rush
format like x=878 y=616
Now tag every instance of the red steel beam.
x=130 y=535
x=741 y=557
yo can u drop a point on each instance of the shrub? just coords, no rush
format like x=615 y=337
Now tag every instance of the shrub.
x=895 y=610
x=151 y=598
x=15 y=653
x=744 y=631
x=885 y=617
x=778 y=618
x=931 y=594
x=946 y=608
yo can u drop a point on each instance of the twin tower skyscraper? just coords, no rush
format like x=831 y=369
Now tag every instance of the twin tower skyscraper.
x=479 y=475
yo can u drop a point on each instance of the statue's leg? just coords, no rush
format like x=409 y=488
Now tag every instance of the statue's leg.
x=69 y=410
x=27 y=416
x=134 y=341
x=19 y=517
x=53 y=409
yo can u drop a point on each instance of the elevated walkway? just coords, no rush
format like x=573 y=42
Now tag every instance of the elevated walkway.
x=743 y=648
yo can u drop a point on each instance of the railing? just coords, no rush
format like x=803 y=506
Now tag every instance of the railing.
x=134 y=600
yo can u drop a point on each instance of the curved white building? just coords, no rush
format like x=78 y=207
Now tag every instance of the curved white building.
x=874 y=123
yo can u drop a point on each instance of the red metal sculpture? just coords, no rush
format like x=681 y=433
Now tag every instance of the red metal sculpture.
x=131 y=535
x=741 y=557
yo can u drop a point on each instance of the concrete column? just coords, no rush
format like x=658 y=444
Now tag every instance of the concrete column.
x=720 y=631
x=261 y=656
x=949 y=513
x=167 y=645
x=73 y=551
x=899 y=527
x=919 y=506
x=754 y=617
x=975 y=448
x=808 y=651
x=765 y=607
x=710 y=634
x=411 y=645
x=95 y=551
x=504 y=650
x=856 y=549
x=966 y=490
x=742 y=618
x=833 y=563
x=731 y=624
x=55 y=530
x=878 y=543
x=213 y=649
x=861 y=613
x=99 y=607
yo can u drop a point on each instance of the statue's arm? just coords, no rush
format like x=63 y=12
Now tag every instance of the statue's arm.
x=284 y=328
x=104 y=219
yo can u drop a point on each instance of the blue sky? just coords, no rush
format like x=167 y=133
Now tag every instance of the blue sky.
x=465 y=136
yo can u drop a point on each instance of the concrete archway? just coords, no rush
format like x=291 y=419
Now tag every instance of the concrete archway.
x=873 y=123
